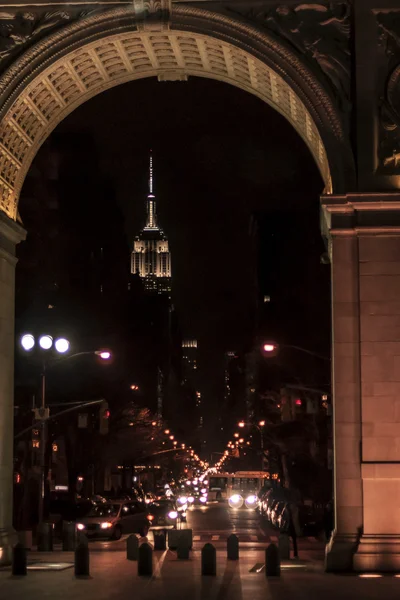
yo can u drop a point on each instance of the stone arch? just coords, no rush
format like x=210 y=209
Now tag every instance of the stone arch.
x=77 y=62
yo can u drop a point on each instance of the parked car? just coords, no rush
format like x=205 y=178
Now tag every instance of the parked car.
x=164 y=514
x=112 y=519
x=265 y=498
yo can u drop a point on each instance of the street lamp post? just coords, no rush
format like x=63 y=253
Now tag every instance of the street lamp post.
x=272 y=349
x=61 y=345
x=258 y=426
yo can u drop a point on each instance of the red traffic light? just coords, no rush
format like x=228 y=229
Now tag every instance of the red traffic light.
x=106 y=414
x=298 y=402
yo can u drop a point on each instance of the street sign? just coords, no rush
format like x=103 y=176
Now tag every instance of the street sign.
x=41 y=414
x=82 y=421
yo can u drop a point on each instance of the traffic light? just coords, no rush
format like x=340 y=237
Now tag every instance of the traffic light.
x=104 y=416
x=36 y=438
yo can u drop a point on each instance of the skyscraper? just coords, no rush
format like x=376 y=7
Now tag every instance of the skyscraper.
x=151 y=257
x=190 y=374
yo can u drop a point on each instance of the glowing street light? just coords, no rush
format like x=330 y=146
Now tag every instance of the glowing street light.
x=46 y=342
x=236 y=435
x=241 y=424
x=62 y=345
x=269 y=347
x=261 y=423
x=166 y=431
x=241 y=441
x=104 y=354
x=134 y=387
x=27 y=342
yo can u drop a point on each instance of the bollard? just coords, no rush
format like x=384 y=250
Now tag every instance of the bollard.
x=208 y=560
x=284 y=546
x=82 y=560
x=272 y=561
x=68 y=536
x=132 y=547
x=19 y=560
x=45 y=537
x=160 y=539
x=145 y=560
x=232 y=545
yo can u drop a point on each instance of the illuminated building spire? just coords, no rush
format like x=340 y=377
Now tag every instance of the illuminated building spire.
x=151 y=201
x=151 y=173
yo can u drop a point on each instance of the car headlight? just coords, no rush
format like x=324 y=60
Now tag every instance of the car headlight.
x=204 y=491
x=190 y=499
x=182 y=500
x=106 y=525
x=80 y=526
x=251 y=501
x=173 y=514
x=203 y=499
x=236 y=501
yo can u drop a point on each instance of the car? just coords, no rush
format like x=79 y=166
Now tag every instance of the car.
x=164 y=514
x=112 y=519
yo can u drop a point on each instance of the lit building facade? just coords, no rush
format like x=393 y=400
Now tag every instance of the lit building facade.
x=151 y=257
x=190 y=373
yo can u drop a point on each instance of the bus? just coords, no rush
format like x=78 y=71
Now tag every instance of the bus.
x=241 y=487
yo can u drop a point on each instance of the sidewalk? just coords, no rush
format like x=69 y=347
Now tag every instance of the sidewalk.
x=115 y=578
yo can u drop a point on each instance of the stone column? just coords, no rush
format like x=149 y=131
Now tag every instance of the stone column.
x=364 y=237
x=10 y=235
x=343 y=247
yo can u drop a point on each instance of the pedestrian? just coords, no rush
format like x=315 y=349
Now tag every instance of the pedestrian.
x=293 y=526
x=328 y=520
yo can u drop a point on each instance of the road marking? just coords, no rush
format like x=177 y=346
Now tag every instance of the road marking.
x=215 y=538
x=258 y=567
x=196 y=538
x=274 y=538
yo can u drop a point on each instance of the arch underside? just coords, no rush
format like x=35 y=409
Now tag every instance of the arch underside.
x=116 y=59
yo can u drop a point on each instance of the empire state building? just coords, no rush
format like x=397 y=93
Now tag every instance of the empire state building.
x=151 y=257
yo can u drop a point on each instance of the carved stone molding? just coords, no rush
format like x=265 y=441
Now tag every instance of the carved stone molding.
x=389 y=126
x=152 y=15
x=77 y=61
x=18 y=29
x=319 y=32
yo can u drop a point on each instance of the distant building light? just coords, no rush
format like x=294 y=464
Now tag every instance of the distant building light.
x=267 y=299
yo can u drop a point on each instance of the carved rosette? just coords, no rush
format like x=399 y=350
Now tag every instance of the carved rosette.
x=389 y=126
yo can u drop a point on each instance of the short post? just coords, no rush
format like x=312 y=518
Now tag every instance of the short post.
x=19 y=560
x=208 y=560
x=284 y=546
x=160 y=539
x=132 y=547
x=183 y=548
x=232 y=546
x=272 y=561
x=68 y=536
x=82 y=560
x=45 y=537
x=145 y=560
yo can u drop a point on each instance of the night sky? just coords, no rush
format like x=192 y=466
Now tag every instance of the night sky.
x=220 y=155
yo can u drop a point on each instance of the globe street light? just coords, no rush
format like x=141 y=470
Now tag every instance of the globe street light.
x=45 y=342
x=62 y=345
x=27 y=342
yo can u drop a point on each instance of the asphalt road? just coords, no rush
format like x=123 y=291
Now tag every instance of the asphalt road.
x=215 y=522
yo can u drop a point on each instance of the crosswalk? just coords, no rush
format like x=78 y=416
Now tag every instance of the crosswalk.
x=205 y=537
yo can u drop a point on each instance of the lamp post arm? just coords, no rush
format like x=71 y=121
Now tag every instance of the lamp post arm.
x=300 y=349
x=59 y=414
